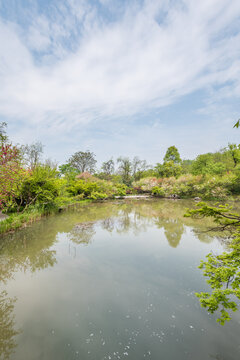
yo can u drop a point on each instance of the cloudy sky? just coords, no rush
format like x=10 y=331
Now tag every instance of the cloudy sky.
x=120 y=77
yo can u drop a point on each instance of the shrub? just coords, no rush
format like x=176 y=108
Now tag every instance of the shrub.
x=40 y=187
x=157 y=191
x=95 y=195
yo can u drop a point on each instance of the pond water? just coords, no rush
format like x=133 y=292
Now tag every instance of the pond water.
x=111 y=281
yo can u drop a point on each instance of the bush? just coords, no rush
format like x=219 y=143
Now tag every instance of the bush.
x=157 y=191
x=40 y=187
x=95 y=195
x=187 y=186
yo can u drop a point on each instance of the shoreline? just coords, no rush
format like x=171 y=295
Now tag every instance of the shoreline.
x=16 y=221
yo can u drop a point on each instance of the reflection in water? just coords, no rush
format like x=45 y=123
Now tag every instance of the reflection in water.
x=173 y=230
x=82 y=233
x=30 y=249
x=108 y=224
x=36 y=248
x=137 y=217
x=7 y=326
x=24 y=251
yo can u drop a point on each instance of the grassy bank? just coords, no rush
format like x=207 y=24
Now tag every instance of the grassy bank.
x=16 y=221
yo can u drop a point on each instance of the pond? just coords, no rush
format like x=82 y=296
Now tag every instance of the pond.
x=113 y=280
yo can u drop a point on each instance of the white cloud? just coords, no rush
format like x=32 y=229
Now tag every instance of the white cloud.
x=93 y=71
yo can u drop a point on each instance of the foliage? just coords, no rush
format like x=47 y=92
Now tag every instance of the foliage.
x=96 y=195
x=8 y=332
x=124 y=169
x=83 y=161
x=237 y=124
x=204 y=164
x=108 y=167
x=222 y=271
x=187 y=166
x=11 y=173
x=120 y=190
x=235 y=153
x=32 y=154
x=138 y=168
x=68 y=171
x=41 y=186
x=168 y=169
x=3 y=133
x=207 y=187
x=172 y=154
x=158 y=191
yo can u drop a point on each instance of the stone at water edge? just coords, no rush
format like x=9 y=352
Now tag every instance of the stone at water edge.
x=3 y=216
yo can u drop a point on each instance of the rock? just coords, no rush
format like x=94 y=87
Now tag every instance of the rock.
x=3 y=216
x=197 y=198
x=174 y=196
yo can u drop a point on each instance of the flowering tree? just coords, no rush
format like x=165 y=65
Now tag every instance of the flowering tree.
x=11 y=172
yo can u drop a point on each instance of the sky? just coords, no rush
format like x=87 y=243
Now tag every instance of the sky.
x=120 y=78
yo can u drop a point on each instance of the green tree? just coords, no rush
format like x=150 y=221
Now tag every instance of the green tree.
x=3 y=133
x=125 y=169
x=32 y=154
x=172 y=154
x=237 y=124
x=68 y=171
x=138 y=168
x=168 y=169
x=234 y=150
x=83 y=161
x=222 y=271
x=108 y=167
x=187 y=166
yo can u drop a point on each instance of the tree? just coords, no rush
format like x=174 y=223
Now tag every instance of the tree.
x=172 y=154
x=124 y=169
x=11 y=173
x=108 y=167
x=32 y=154
x=3 y=133
x=235 y=153
x=168 y=169
x=68 y=171
x=237 y=125
x=205 y=164
x=8 y=332
x=83 y=161
x=187 y=166
x=223 y=271
x=138 y=167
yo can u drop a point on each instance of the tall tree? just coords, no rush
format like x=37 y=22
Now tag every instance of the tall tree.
x=32 y=154
x=3 y=133
x=108 y=167
x=11 y=172
x=83 y=161
x=235 y=153
x=172 y=154
x=124 y=169
x=138 y=167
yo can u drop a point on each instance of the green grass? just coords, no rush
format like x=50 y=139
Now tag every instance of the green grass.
x=20 y=220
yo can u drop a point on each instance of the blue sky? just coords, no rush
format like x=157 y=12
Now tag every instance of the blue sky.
x=120 y=77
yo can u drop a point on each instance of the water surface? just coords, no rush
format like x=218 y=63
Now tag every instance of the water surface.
x=111 y=281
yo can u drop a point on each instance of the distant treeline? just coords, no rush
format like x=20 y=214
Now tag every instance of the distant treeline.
x=26 y=182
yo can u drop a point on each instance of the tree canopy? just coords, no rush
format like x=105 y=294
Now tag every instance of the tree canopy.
x=172 y=154
x=83 y=161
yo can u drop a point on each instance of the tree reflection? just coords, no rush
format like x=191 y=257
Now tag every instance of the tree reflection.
x=108 y=224
x=27 y=250
x=174 y=230
x=7 y=326
x=82 y=233
x=137 y=216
